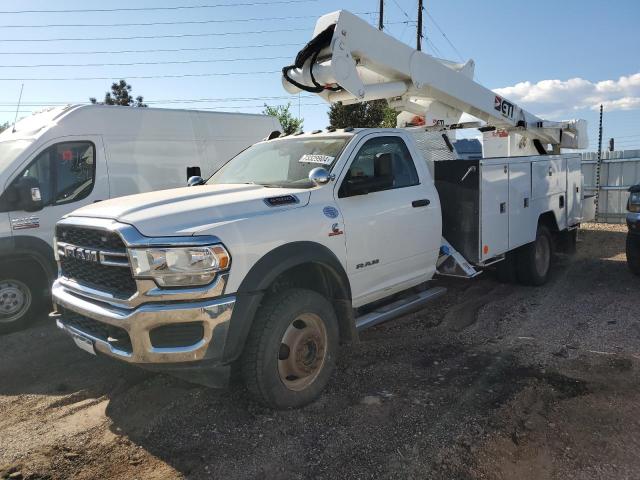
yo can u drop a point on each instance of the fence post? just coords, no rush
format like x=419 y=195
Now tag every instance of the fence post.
x=598 y=167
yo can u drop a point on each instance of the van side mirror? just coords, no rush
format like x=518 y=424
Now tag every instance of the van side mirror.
x=29 y=197
x=195 y=180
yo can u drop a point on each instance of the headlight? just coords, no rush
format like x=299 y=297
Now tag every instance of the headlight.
x=179 y=267
x=634 y=202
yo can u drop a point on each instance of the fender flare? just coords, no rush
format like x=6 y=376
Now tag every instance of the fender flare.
x=261 y=276
x=22 y=247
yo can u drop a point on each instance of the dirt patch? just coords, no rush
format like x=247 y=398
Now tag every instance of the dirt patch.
x=491 y=381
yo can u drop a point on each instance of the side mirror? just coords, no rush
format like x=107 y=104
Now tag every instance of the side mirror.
x=195 y=180
x=364 y=185
x=320 y=176
x=29 y=195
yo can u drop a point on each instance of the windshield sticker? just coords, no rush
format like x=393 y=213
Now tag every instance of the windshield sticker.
x=319 y=159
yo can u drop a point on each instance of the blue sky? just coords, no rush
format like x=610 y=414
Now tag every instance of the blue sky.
x=578 y=44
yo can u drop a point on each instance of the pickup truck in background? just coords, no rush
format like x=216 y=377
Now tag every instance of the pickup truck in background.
x=295 y=245
x=633 y=226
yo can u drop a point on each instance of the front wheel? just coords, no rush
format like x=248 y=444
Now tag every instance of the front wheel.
x=291 y=349
x=633 y=253
x=20 y=297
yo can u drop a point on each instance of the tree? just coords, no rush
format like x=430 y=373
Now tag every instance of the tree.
x=4 y=126
x=290 y=124
x=373 y=114
x=120 y=94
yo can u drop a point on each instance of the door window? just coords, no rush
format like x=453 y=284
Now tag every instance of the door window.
x=383 y=163
x=65 y=172
x=75 y=170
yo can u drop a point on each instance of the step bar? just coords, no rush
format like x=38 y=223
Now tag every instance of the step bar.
x=398 y=308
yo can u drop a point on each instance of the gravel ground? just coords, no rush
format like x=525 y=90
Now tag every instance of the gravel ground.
x=491 y=381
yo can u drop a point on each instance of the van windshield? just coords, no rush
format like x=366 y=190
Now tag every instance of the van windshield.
x=10 y=149
x=281 y=163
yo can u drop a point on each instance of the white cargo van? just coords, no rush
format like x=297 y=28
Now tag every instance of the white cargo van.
x=58 y=160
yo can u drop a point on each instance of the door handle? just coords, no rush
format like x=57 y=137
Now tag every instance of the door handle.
x=423 y=202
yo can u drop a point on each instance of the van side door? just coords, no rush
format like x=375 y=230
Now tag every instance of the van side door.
x=393 y=227
x=70 y=172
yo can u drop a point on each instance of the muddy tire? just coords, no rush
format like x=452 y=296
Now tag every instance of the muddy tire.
x=21 y=297
x=534 y=259
x=633 y=253
x=291 y=350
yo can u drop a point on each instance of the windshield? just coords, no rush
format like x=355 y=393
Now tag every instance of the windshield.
x=281 y=163
x=10 y=150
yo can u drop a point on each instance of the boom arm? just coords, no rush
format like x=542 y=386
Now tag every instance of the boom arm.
x=350 y=61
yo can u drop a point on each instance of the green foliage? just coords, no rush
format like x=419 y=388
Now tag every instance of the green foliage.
x=4 y=126
x=290 y=124
x=120 y=94
x=374 y=114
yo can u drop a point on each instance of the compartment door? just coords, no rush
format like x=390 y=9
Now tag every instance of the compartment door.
x=549 y=177
x=574 y=190
x=494 y=211
x=520 y=216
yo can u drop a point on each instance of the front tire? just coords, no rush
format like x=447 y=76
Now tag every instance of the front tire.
x=633 y=253
x=534 y=259
x=291 y=350
x=20 y=297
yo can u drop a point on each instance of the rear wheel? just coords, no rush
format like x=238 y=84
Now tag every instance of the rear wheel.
x=291 y=349
x=633 y=253
x=20 y=297
x=534 y=259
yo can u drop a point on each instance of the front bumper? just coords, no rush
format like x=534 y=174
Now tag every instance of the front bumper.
x=213 y=314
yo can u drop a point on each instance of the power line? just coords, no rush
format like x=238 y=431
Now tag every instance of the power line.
x=154 y=50
x=402 y=9
x=171 y=100
x=176 y=62
x=187 y=22
x=201 y=108
x=146 y=37
x=147 y=9
x=182 y=75
x=445 y=36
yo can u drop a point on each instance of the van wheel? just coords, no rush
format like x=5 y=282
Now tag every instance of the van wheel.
x=633 y=253
x=291 y=350
x=20 y=298
x=534 y=259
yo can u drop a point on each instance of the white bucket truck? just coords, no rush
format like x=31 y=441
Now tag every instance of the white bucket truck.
x=301 y=241
x=56 y=161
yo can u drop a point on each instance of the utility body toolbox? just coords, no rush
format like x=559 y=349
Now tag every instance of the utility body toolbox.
x=491 y=206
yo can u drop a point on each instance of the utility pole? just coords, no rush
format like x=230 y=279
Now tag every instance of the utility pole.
x=419 y=29
x=381 y=17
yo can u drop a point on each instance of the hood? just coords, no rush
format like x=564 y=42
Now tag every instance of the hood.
x=183 y=211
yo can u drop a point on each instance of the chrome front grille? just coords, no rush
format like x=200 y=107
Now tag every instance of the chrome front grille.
x=96 y=259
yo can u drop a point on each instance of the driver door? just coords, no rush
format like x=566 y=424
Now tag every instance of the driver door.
x=70 y=173
x=388 y=228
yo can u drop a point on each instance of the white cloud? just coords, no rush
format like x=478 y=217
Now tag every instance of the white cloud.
x=563 y=96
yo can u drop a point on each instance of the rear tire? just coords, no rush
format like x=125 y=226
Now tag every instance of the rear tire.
x=633 y=253
x=534 y=259
x=21 y=297
x=291 y=350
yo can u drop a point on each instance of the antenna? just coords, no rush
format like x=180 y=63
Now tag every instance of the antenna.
x=17 y=109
